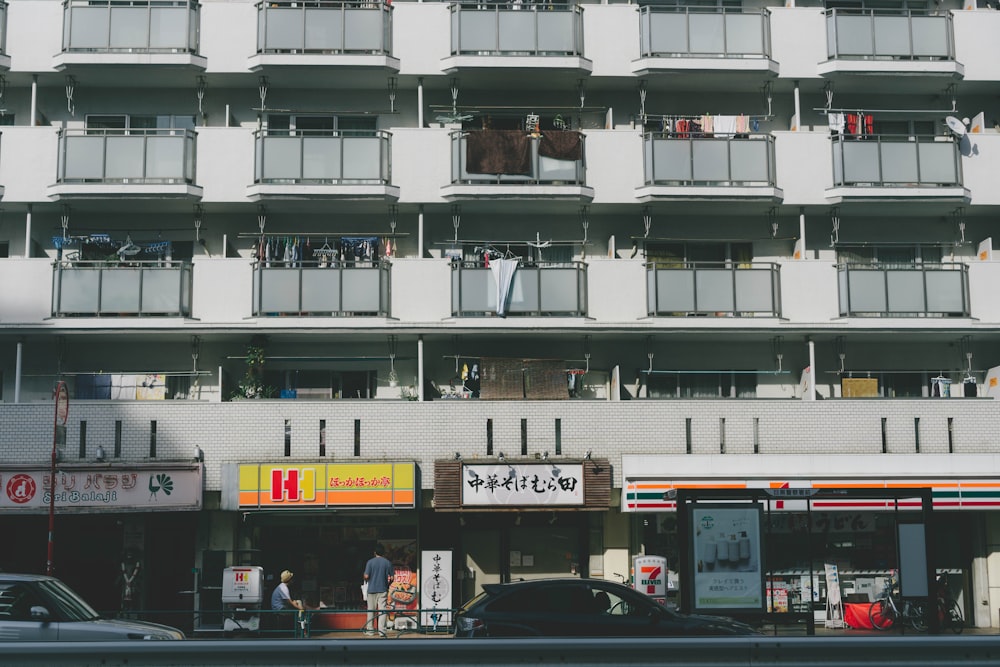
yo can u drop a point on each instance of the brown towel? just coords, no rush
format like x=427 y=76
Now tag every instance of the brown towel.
x=497 y=152
x=561 y=145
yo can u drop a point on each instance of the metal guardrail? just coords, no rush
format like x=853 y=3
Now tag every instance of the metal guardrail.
x=978 y=651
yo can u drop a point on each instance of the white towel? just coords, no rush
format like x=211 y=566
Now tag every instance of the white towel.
x=725 y=124
x=836 y=121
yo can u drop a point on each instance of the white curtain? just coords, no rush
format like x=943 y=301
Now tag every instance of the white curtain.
x=503 y=274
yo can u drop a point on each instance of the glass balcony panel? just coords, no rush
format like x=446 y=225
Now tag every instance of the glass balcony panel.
x=161 y=290
x=675 y=291
x=892 y=36
x=362 y=159
x=282 y=158
x=79 y=291
x=557 y=32
x=867 y=291
x=363 y=30
x=711 y=159
x=523 y=291
x=89 y=28
x=551 y=169
x=324 y=30
x=516 y=31
x=129 y=28
x=939 y=162
x=477 y=31
x=861 y=162
x=84 y=158
x=671 y=160
x=560 y=290
x=899 y=162
x=282 y=28
x=168 y=30
x=931 y=36
x=946 y=292
x=715 y=290
x=124 y=158
x=473 y=291
x=668 y=33
x=120 y=291
x=745 y=34
x=321 y=290
x=750 y=161
x=279 y=290
x=361 y=290
x=905 y=291
x=708 y=33
x=755 y=291
x=165 y=157
x=651 y=295
x=853 y=36
x=321 y=158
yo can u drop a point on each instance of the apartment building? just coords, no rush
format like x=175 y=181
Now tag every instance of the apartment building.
x=319 y=275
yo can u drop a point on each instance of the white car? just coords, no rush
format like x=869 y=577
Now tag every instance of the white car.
x=39 y=608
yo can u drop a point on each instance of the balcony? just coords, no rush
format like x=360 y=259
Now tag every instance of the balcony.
x=701 y=39
x=537 y=290
x=351 y=33
x=342 y=289
x=141 y=33
x=4 y=57
x=721 y=289
x=317 y=164
x=891 y=42
x=729 y=167
x=512 y=163
x=920 y=290
x=103 y=289
x=539 y=37
x=125 y=163
x=896 y=167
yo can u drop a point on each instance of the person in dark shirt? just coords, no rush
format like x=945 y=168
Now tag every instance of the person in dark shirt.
x=378 y=575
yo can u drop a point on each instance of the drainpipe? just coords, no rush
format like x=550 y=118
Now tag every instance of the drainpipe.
x=812 y=370
x=27 y=233
x=420 y=102
x=34 y=100
x=802 y=232
x=17 y=372
x=420 y=368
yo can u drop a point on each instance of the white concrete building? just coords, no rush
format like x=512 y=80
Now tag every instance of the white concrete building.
x=716 y=214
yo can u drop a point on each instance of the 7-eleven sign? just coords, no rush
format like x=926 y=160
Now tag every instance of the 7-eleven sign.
x=651 y=575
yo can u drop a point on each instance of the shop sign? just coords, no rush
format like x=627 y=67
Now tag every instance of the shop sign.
x=435 y=594
x=727 y=555
x=522 y=484
x=101 y=489
x=321 y=485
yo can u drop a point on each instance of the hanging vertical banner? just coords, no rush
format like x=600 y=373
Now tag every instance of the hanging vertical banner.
x=991 y=386
x=435 y=593
x=799 y=252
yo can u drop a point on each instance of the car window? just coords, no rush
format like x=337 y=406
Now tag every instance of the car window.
x=610 y=602
x=64 y=603
x=16 y=600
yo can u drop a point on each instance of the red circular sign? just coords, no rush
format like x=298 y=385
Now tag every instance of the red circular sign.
x=21 y=488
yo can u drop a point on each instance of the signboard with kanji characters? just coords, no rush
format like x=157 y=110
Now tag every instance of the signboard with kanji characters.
x=726 y=546
x=435 y=593
x=521 y=484
x=320 y=485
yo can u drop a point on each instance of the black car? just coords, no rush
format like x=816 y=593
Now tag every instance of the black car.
x=580 y=608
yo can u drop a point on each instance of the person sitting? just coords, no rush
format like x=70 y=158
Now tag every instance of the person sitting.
x=602 y=602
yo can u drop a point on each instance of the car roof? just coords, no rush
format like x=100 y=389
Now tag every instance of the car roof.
x=496 y=588
x=13 y=576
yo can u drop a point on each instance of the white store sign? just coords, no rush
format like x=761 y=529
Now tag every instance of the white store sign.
x=530 y=484
x=435 y=588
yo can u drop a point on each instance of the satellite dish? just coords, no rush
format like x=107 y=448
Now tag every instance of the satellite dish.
x=956 y=126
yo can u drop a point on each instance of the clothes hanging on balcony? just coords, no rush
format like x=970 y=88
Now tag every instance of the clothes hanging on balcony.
x=497 y=152
x=860 y=124
x=837 y=122
x=941 y=387
x=359 y=248
x=561 y=145
x=725 y=125
x=970 y=388
x=503 y=274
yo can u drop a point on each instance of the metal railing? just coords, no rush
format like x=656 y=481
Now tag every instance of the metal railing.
x=539 y=289
x=722 y=289
x=506 y=29
x=324 y=157
x=138 y=26
x=717 y=161
x=341 y=289
x=134 y=288
x=126 y=156
x=879 y=160
x=920 y=290
x=324 y=27
x=540 y=169
x=704 y=32
x=882 y=34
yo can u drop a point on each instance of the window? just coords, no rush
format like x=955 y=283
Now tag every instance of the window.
x=701 y=385
x=903 y=128
x=320 y=125
x=99 y=123
x=890 y=257
x=683 y=254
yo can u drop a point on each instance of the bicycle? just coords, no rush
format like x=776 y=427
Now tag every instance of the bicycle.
x=950 y=615
x=890 y=608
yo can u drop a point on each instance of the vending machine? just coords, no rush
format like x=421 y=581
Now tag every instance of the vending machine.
x=242 y=598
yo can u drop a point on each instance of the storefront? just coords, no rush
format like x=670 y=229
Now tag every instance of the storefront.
x=802 y=537
x=124 y=534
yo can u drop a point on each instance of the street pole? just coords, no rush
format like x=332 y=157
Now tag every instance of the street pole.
x=58 y=428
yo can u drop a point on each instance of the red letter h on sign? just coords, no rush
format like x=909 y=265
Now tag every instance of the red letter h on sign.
x=284 y=488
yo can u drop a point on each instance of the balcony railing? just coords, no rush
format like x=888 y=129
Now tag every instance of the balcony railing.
x=340 y=289
x=509 y=164
x=703 y=32
x=137 y=26
x=502 y=29
x=721 y=161
x=874 y=34
x=920 y=290
x=537 y=289
x=323 y=157
x=126 y=156
x=723 y=289
x=887 y=160
x=101 y=289
x=324 y=27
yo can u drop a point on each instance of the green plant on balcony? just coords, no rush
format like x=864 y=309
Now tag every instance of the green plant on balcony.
x=252 y=385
